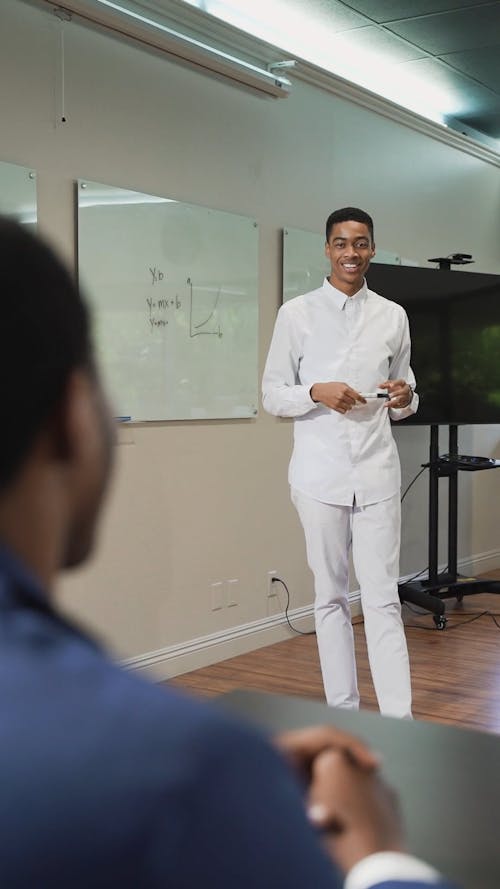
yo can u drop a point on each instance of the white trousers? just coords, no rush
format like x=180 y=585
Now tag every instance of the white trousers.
x=374 y=533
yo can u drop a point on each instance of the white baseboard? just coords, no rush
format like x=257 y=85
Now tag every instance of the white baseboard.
x=481 y=563
x=205 y=650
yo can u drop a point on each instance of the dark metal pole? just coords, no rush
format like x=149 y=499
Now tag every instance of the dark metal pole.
x=433 y=505
x=453 y=508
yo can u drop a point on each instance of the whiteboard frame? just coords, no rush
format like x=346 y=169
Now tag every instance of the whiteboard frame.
x=233 y=364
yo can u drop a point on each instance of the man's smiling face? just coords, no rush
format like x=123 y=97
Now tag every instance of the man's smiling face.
x=349 y=249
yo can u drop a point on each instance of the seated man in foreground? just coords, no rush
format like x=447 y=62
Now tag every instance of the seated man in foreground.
x=108 y=781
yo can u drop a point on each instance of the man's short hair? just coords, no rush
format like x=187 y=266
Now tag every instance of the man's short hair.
x=348 y=214
x=44 y=335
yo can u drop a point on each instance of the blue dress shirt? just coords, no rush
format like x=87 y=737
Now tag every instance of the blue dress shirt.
x=110 y=782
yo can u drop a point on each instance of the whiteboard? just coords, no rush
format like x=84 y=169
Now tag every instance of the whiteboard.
x=173 y=289
x=305 y=264
x=18 y=193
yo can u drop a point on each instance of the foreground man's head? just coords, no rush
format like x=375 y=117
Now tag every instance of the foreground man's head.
x=56 y=440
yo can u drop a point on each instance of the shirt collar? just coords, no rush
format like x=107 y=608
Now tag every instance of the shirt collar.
x=20 y=587
x=16 y=579
x=339 y=298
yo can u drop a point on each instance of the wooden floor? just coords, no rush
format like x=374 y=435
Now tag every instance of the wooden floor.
x=455 y=672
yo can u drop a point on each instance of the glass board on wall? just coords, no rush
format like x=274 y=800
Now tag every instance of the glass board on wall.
x=18 y=193
x=173 y=288
x=305 y=264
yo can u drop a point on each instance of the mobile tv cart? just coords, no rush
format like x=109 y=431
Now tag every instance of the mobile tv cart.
x=429 y=593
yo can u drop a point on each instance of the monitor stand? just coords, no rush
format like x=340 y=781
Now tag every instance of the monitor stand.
x=429 y=593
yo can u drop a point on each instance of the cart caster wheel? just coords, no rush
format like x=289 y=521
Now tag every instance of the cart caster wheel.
x=440 y=621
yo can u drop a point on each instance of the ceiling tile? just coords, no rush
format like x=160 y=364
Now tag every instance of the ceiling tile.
x=394 y=10
x=334 y=14
x=482 y=64
x=377 y=40
x=453 y=31
x=468 y=95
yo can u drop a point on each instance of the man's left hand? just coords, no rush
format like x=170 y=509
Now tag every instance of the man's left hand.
x=400 y=394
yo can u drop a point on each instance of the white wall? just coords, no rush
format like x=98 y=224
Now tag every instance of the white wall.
x=194 y=503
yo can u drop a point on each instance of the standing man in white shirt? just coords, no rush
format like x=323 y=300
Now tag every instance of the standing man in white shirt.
x=339 y=363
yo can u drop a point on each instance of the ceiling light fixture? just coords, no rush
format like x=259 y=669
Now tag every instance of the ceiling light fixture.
x=124 y=22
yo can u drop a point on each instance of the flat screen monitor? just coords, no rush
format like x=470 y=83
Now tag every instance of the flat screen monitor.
x=455 y=330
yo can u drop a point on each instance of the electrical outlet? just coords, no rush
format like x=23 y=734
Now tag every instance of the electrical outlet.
x=271 y=588
x=273 y=603
x=216 y=595
x=232 y=590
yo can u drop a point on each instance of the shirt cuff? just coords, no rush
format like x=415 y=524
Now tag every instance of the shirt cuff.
x=384 y=866
x=288 y=401
x=302 y=402
x=400 y=413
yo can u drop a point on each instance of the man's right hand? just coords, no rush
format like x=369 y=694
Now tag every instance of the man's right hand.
x=337 y=396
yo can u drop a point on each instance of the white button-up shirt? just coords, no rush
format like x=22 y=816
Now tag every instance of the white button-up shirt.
x=360 y=340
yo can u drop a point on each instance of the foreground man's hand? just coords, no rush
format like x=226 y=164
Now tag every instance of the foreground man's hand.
x=347 y=800
x=356 y=810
